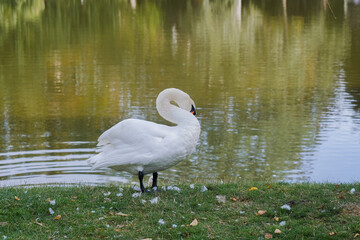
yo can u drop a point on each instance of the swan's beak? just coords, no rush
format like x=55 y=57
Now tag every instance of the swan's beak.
x=193 y=111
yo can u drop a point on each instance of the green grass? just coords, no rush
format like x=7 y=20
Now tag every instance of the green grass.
x=318 y=211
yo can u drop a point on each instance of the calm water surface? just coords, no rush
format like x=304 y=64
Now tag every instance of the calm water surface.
x=276 y=83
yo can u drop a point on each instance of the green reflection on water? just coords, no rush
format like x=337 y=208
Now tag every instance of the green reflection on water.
x=264 y=75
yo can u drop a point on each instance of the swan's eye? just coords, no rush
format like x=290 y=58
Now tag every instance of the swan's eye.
x=193 y=111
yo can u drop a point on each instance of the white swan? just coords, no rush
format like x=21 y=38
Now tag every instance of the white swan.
x=142 y=147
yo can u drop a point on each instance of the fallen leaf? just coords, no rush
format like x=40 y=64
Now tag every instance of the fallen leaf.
x=3 y=223
x=332 y=234
x=16 y=198
x=269 y=186
x=276 y=219
x=51 y=211
x=57 y=217
x=221 y=198
x=146 y=239
x=356 y=235
x=47 y=200
x=154 y=200
x=253 y=188
x=286 y=207
x=39 y=224
x=268 y=235
x=194 y=223
x=135 y=195
x=261 y=212
x=203 y=189
x=121 y=214
x=234 y=199
x=277 y=231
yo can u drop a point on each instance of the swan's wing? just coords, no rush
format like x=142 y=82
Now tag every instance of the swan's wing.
x=128 y=142
x=134 y=132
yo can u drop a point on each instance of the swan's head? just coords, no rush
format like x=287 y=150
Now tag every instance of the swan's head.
x=185 y=102
x=175 y=97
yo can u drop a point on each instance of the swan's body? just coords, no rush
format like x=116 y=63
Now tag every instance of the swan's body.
x=142 y=147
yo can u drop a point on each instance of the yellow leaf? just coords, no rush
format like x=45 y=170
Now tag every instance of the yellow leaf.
x=117 y=229
x=57 y=217
x=268 y=236
x=16 y=198
x=121 y=214
x=194 y=223
x=277 y=231
x=48 y=200
x=253 y=188
x=234 y=199
x=261 y=212
x=269 y=186
x=356 y=235
x=276 y=219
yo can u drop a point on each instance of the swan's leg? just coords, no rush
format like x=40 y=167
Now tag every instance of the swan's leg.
x=141 y=177
x=154 y=184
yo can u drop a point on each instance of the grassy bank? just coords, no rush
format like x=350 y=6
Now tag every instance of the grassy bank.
x=226 y=211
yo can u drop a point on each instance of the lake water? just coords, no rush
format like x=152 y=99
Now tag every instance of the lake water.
x=276 y=84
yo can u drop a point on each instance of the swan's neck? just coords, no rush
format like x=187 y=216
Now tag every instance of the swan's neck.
x=173 y=113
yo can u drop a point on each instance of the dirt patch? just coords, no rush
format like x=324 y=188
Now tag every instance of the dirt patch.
x=351 y=209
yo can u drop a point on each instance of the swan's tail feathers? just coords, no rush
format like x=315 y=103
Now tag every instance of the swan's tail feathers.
x=92 y=161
